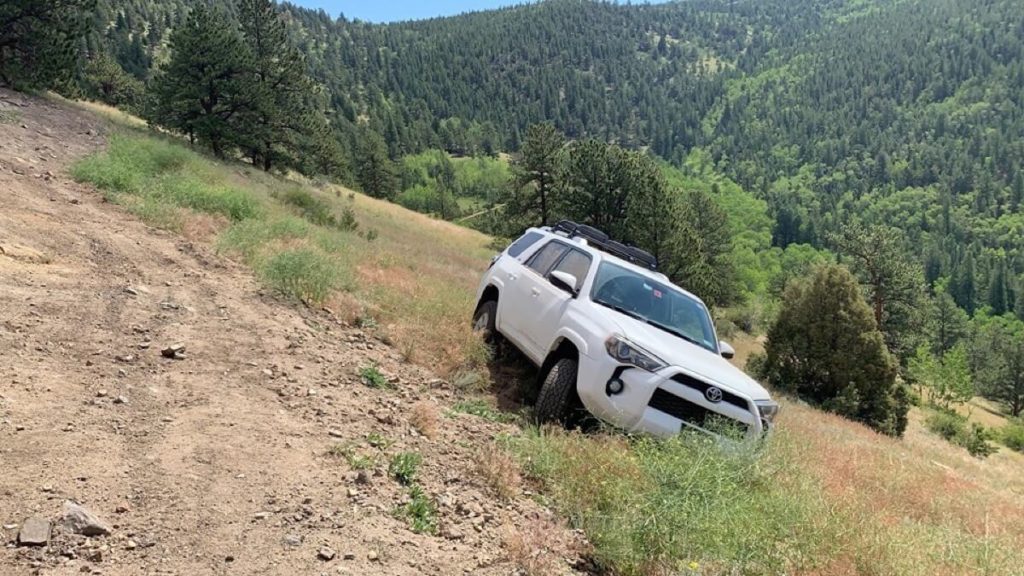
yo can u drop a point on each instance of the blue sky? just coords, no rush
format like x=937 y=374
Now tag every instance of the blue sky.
x=392 y=10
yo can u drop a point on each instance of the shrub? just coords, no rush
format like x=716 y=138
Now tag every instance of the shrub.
x=309 y=207
x=424 y=419
x=302 y=273
x=499 y=471
x=1012 y=436
x=404 y=467
x=954 y=428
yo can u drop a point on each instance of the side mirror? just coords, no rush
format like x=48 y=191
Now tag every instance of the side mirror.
x=564 y=281
x=728 y=352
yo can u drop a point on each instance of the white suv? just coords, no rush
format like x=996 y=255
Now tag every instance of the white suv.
x=615 y=337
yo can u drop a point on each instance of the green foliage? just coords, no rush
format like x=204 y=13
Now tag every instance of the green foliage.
x=1012 y=436
x=975 y=438
x=947 y=378
x=420 y=511
x=404 y=467
x=998 y=360
x=374 y=378
x=826 y=348
x=105 y=80
x=657 y=506
x=39 y=39
x=317 y=210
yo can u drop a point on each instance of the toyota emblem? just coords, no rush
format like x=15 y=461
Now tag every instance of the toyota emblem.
x=714 y=395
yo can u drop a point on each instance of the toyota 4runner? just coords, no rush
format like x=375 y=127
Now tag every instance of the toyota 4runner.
x=614 y=336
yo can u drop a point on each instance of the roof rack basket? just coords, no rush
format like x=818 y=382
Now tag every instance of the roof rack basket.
x=603 y=242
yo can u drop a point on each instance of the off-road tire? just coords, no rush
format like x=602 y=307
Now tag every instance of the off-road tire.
x=556 y=401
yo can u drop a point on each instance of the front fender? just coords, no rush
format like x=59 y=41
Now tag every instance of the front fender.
x=568 y=334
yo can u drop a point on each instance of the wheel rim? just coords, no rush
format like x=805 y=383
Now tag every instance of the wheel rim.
x=482 y=321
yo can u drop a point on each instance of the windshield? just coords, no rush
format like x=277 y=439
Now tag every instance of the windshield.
x=660 y=305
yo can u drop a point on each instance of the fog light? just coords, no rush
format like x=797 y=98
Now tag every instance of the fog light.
x=615 y=386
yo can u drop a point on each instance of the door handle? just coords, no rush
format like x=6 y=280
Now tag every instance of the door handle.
x=512 y=276
x=535 y=291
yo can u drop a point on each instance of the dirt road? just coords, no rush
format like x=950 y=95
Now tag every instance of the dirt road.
x=215 y=463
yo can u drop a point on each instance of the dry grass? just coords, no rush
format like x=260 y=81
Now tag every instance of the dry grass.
x=499 y=471
x=533 y=547
x=425 y=418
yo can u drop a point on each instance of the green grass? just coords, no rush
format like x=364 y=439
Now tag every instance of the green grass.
x=404 y=467
x=481 y=409
x=354 y=459
x=653 y=506
x=1012 y=436
x=420 y=511
x=378 y=441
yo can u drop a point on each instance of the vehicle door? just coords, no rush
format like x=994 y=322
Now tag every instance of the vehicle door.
x=550 y=302
x=521 y=291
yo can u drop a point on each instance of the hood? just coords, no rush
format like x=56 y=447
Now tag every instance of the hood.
x=692 y=358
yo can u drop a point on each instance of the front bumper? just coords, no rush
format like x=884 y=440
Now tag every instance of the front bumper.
x=662 y=403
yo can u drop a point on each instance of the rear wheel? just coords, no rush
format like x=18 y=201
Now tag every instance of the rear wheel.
x=557 y=400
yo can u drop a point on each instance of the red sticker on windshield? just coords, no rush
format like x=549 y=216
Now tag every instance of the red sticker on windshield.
x=657 y=293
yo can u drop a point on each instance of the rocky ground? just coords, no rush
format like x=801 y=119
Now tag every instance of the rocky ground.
x=233 y=454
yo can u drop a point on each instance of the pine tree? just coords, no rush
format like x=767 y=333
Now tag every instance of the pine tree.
x=534 y=173
x=39 y=40
x=374 y=170
x=207 y=83
x=825 y=347
x=280 y=88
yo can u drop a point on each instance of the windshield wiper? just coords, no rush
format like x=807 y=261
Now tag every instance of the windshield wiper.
x=657 y=325
x=672 y=331
x=622 y=310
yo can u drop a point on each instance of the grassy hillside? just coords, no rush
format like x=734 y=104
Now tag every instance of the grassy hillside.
x=824 y=496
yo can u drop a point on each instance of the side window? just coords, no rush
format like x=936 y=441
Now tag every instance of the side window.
x=544 y=259
x=521 y=245
x=576 y=263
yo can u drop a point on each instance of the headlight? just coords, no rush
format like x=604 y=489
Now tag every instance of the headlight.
x=628 y=353
x=768 y=409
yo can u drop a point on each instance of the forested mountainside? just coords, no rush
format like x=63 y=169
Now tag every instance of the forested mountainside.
x=906 y=113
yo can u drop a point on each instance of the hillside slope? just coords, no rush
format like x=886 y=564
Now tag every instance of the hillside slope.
x=239 y=458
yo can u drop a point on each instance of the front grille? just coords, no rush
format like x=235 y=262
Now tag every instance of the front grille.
x=702 y=387
x=684 y=409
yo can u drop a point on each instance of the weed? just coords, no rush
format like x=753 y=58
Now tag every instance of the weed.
x=424 y=418
x=303 y=274
x=371 y=235
x=366 y=322
x=481 y=409
x=536 y=547
x=404 y=467
x=354 y=459
x=420 y=511
x=499 y=470
x=374 y=378
x=378 y=441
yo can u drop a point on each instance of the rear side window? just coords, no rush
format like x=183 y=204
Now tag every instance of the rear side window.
x=576 y=263
x=521 y=245
x=543 y=260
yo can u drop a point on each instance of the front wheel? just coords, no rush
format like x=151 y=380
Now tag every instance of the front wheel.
x=557 y=394
x=483 y=321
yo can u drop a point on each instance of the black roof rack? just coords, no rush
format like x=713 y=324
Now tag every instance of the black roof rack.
x=603 y=242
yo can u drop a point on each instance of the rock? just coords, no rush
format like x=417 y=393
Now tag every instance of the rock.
x=101 y=393
x=131 y=545
x=362 y=477
x=452 y=533
x=335 y=433
x=373 y=556
x=293 y=540
x=352 y=492
x=120 y=400
x=121 y=509
x=79 y=520
x=131 y=291
x=34 y=532
x=350 y=556
x=174 y=352
x=126 y=358
x=326 y=554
